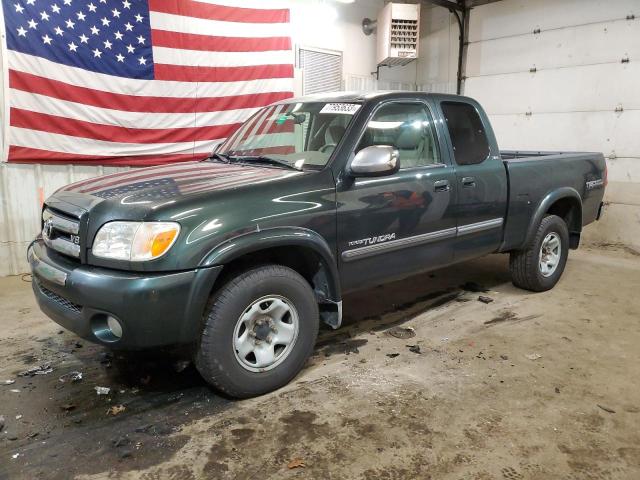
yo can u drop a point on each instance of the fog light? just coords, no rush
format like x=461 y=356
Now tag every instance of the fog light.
x=114 y=327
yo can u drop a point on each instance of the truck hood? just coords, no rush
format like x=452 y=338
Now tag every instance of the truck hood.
x=147 y=186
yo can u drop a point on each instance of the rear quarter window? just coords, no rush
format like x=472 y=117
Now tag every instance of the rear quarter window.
x=469 y=140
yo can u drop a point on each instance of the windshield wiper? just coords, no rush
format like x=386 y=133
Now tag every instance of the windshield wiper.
x=220 y=157
x=264 y=159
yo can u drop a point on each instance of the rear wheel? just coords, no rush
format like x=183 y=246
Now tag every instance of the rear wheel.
x=259 y=330
x=539 y=266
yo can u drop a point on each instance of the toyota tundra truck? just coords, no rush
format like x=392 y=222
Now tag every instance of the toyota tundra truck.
x=240 y=256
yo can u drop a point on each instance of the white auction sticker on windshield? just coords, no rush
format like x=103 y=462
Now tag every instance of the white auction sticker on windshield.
x=344 y=108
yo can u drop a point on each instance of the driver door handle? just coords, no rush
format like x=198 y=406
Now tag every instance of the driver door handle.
x=468 y=182
x=441 y=186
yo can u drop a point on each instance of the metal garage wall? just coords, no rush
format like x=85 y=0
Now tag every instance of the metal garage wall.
x=22 y=189
x=571 y=85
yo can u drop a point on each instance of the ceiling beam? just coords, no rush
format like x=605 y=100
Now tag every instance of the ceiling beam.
x=478 y=3
x=448 y=4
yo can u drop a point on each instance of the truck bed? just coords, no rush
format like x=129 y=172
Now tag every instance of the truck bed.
x=532 y=175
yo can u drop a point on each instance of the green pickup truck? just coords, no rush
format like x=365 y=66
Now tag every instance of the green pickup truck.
x=241 y=255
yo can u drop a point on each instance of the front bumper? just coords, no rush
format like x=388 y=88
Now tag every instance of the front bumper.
x=153 y=309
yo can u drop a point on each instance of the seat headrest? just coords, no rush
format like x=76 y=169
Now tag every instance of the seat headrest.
x=409 y=138
x=333 y=134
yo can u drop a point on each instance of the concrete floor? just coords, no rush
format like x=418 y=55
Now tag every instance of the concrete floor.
x=476 y=403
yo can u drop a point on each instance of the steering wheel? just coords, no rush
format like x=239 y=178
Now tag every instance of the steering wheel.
x=325 y=147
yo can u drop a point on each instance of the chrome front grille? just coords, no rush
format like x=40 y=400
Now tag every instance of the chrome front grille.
x=61 y=233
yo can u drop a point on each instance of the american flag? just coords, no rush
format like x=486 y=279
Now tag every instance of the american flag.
x=139 y=82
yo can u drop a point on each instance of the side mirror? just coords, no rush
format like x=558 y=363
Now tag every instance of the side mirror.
x=375 y=161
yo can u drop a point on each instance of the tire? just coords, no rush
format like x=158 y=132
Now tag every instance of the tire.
x=236 y=309
x=525 y=265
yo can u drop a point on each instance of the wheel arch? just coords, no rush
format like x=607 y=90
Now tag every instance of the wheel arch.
x=566 y=203
x=300 y=249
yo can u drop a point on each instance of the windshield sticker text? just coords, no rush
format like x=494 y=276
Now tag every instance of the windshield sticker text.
x=343 y=108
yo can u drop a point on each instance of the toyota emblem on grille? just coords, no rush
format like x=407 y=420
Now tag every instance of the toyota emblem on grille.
x=47 y=228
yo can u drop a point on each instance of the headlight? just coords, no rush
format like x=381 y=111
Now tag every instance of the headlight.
x=135 y=241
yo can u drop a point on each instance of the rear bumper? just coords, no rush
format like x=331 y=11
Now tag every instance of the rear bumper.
x=153 y=309
x=600 y=211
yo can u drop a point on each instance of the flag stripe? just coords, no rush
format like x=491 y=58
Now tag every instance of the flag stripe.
x=34 y=155
x=76 y=76
x=219 y=12
x=78 y=128
x=53 y=106
x=134 y=103
x=174 y=56
x=194 y=41
x=182 y=73
x=179 y=23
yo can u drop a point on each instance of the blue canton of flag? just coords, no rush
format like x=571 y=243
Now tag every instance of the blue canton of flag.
x=112 y=37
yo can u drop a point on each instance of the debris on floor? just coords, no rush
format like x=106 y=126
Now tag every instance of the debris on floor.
x=392 y=355
x=533 y=356
x=485 y=299
x=43 y=369
x=504 y=357
x=1 y=422
x=116 y=409
x=606 y=409
x=414 y=349
x=296 y=463
x=102 y=390
x=8 y=382
x=402 y=332
x=74 y=376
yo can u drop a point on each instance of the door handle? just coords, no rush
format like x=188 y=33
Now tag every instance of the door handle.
x=441 y=186
x=468 y=182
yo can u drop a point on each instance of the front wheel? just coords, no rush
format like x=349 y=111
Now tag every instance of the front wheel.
x=259 y=330
x=539 y=266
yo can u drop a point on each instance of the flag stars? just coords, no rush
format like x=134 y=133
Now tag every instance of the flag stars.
x=44 y=16
x=66 y=2
x=118 y=35
x=105 y=21
x=142 y=60
x=130 y=48
x=58 y=31
x=22 y=32
x=128 y=27
x=120 y=57
x=46 y=39
x=107 y=44
x=95 y=30
x=141 y=39
x=81 y=16
x=73 y=47
x=116 y=13
x=126 y=4
x=19 y=8
x=31 y=2
x=55 y=8
x=70 y=23
x=97 y=53
x=92 y=8
x=33 y=24
x=84 y=38
x=139 y=18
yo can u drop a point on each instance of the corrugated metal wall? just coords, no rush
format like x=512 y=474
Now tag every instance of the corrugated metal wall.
x=564 y=76
x=22 y=189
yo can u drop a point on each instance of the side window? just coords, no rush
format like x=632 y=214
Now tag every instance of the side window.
x=407 y=127
x=469 y=140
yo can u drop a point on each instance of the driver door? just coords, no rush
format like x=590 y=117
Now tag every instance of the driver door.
x=397 y=225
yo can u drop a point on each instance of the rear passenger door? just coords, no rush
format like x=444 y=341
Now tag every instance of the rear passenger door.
x=480 y=178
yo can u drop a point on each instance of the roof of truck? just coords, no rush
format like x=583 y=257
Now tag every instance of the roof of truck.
x=360 y=96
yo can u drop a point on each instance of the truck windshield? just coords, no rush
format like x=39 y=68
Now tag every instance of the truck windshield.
x=298 y=134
